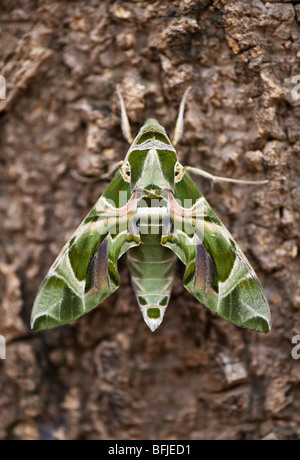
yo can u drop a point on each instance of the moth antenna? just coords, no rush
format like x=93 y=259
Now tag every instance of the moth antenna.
x=180 y=118
x=125 y=125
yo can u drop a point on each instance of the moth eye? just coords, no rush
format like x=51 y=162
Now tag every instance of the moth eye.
x=126 y=170
x=178 y=172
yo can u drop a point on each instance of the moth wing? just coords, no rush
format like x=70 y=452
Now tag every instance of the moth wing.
x=217 y=272
x=85 y=273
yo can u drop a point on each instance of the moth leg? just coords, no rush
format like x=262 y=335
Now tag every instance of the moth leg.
x=124 y=118
x=83 y=179
x=210 y=176
x=112 y=170
x=91 y=180
x=180 y=118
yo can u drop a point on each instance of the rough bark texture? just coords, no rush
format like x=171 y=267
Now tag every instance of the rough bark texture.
x=107 y=376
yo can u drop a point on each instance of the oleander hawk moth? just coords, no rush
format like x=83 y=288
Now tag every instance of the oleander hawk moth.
x=153 y=212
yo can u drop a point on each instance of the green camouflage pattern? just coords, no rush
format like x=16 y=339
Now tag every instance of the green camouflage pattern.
x=153 y=211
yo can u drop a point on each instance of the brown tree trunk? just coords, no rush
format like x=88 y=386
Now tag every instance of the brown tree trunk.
x=107 y=376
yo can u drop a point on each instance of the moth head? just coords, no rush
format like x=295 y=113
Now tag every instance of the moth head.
x=152 y=127
x=151 y=160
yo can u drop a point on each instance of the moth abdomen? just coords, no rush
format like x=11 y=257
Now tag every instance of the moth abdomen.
x=152 y=270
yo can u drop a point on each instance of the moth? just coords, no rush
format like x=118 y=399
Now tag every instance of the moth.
x=152 y=211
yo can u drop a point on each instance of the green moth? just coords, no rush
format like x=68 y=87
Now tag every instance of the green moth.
x=153 y=212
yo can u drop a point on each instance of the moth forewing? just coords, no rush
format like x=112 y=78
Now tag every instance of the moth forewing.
x=153 y=211
x=217 y=273
x=85 y=272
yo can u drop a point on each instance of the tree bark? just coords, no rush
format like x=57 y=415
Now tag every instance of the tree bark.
x=106 y=376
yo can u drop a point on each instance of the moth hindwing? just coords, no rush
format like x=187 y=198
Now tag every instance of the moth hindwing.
x=153 y=211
